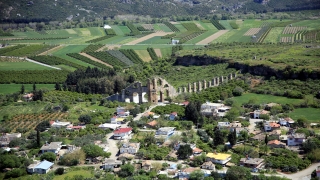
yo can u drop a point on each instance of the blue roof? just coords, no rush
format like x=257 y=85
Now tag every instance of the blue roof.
x=44 y=165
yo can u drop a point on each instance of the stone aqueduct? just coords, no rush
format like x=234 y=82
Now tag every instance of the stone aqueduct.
x=158 y=89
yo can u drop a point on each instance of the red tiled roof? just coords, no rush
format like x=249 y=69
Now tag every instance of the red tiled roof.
x=174 y=113
x=152 y=123
x=274 y=124
x=185 y=103
x=274 y=142
x=197 y=150
x=51 y=122
x=122 y=130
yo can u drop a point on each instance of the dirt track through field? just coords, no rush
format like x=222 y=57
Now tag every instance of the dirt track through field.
x=158 y=52
x=50 y=51
x=148 y=37
x=95 y=59
x=212 y=37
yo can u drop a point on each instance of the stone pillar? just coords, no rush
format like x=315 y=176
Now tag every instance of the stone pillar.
x=214 y=82
x=230 y=76
x=209 y=85
x=217 y=81
x=221 y=79
x=204 y=84
x=200 y=86
x=235 y=75
x=184 y=89
x=154 y=83
x=194 y=87
x=189 y=88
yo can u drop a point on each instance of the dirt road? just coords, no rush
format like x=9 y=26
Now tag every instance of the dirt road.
x=212 y=37
x=148 y=37
x=95 y=59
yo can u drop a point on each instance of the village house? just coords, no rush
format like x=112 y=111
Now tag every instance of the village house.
x=40 y=167
x=223 y=125
x=276 y=144
x=122 y=112
x=166 y=131
x=110 y=164
x=109 y=126
x=6 y=138
x=72 y=127
x=59 y=124
x=185 y=173
x=270 y=126
x=219 y=158
x=122 y=133
x=256 y=114
x=146 y=165
x=28 y=97
x=251 y=162
x=116 y=120
x=152 y=124
x=131 y=148
x=197 y=151
x=211 y=109
x=286 y=121
x=177 y=145
x=173 y=115
x=296 y=139
x=52 y=147
x=208 y=165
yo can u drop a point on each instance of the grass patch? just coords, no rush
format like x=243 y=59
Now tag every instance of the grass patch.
x=201 y=37
x=264 y=98
x=311 y=114
x=12 y=88
x=274 y=35
x=124 y=29
x=144 y=55
x=155 y=40
x=164 y=28
x=70 y=175
x=22 y=66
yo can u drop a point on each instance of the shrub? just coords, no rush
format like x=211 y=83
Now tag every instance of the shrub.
x=59 y=171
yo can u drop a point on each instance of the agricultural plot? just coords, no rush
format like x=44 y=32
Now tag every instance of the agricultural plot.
x=144 y=55
x=11 y=88
x=218 y=25
x=29 y=50
x=62 y=53
x=311 y=24
x=4 y=66
x=124 y=29
x=207 y=26
x=148 y=26
x=191 y=26
x=212 y=37
x=144 y=38
x=189 y=37
x=274 y=35
x=158 y=52
x=53 y=60
x=172 y=27
x=117 y=54
x=292 y=30
x=83 y=31
x=11 y=59
x=106 y=58
x=164 y=28
x=180 y=28
x=71 y=31
x=156 y=40
x=92 y=47
x=311 y=114
x=286 y=39
x=252 y=31
x=166 y=52
x=96 y=31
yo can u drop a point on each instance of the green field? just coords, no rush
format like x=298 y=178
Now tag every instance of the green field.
x=264 y=99
x=311 y=114
x=124 y=29
x=144 y=55
x=4 y=66
x=226 y=24
x=274 y=35
x=11 y=88
x=164 y=28
x=70 y=175
x=201 y=37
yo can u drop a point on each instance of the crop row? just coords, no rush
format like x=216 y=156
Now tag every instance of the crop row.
x=100 y=39
x=168 y=36
x=133 y=29
x=132 y=55
x=234 y=25
x=141 y=28
x=11 y=59
x=29 y=50
x=292 y=30
x=189 y=37
x=92 y=47
x=172 y=27
x=313 y=35
x=120 y=56
x=2 y=33
x=11 y=48
x=191 y=26
x=217 y=24
x=284 y=23
x=107 y=58
x=110 y=32
x=148 y=27
x=87 y=60
x=35 y=39
x=299 y=36
x=286 y=39
x=53 y=60
x=33 y=76
x=152 y=54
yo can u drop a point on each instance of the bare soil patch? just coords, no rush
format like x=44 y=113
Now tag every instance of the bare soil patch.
x=199 y=26
x=158 y=52
x=212 y=37
x=95 y=59
x=148 y=37
x=252 y=31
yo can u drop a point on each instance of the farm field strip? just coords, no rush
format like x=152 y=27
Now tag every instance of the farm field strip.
x=5 y=66
x=95 y=59
x=212 y=37
x=148 y=26
x=26 y=64
x=144 y=55
x=148 y=37
x=71 y=31
x=274 y=35
x=51 y=50
x=158 y=52
x=9 y=88
x=252 y=31
x=286 y=39
x=292 y=30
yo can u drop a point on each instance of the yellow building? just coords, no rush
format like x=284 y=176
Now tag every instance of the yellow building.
x=219 y=158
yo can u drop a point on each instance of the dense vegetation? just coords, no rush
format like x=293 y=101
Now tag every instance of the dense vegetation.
x=217 y=24
x=10 y=48
x=133 y=29
x=53 y=60
x=30 y=76
x=152 y=54
x=119 y=55
x=191 y=26
x=110 y=32
x=100 y=39
x=87 y=60
x=172 y=27
x=92 y=47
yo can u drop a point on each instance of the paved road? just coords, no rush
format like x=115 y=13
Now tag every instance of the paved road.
x=302 y=174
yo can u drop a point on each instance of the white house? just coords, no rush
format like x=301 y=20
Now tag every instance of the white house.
x=59 y=124
x=270 y=126
x=122 y=133
x=219 y=158
x=256 y=114
x=106 y=26
x=109 y=126
x=110 y=164
x=207 y=109
x=165 y=131
x=122 y=112
x=223 y=125
x=286 y=121
x=40 y=167
x=6 y=138
x=296 y=139
x=130 y=148
x=52 y=147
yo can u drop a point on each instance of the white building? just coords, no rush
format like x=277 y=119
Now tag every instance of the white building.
x=40 y=167
x=59 y=124
x=106 y=26
x=52 y=147
x=122 y=133
x=110 y=164
x=130 y=148
x=296 y=139
x=165 y=131
x=6 y=138
x=219 y=158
